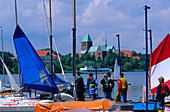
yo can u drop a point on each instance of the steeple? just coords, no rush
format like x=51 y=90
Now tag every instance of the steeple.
x=105 y=42
x=86 y=38
x=86 y=42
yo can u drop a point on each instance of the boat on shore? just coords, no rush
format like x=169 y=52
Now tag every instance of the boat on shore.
x=93 y=69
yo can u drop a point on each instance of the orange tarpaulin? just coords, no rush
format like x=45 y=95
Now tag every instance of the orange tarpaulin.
x=102 y=104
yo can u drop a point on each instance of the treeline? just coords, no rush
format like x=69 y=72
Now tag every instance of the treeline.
x=127 y=63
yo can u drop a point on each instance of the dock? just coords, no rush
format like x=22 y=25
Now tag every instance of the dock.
x=17 y=109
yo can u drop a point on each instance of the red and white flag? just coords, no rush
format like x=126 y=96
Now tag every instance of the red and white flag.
x=160 y=64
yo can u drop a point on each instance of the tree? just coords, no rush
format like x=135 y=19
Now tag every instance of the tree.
x=57 y=68
x=87 y=57
x=82 y=58
x=93 y=58
x=142 y=65
x=86 y=63
x=99 y=60
x=135 y=65
x=78 y=61
x=127 y=67
x=134 y=54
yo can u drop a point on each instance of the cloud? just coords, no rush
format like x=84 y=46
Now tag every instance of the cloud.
x=98 y=18
x=99 y=40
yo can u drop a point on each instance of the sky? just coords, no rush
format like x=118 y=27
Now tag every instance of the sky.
x=101 y=19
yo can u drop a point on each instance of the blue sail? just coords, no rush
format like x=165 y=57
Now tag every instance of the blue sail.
x=33 y=71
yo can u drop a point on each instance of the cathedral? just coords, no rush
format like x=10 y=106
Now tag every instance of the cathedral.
x=88 y=48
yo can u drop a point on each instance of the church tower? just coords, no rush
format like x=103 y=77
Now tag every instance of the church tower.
x=86 y=42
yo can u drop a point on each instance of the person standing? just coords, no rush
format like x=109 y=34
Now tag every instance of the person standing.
x=80 y=87
x=106 y=87
x=122 y=88
x=92 y=84
x=162 y=92
x=112 y=84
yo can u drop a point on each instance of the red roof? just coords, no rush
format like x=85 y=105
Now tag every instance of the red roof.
x=41 y=53
x=14 y=58
x=80 y=54
x=44 y=52
x=135 y=57
x=127 y=52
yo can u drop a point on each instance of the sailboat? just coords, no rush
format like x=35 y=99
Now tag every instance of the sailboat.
x=116 y=70
x=116 y=76
x=14 y=86
x=33 y=71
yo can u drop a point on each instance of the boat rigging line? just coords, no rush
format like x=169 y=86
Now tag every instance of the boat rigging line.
x=47 y=21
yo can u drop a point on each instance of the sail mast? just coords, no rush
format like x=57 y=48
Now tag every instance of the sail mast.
x=16 y=17
x=74 y=46
x=16 y=22
x=51 y=47
x=119 y=51
x=2 y=53
x=146 y=36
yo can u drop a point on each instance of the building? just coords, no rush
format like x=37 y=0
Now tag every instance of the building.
x=45 y=56
x=97 y=51
x=128 y=53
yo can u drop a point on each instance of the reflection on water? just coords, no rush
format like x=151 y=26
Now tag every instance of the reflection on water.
x=136 y=79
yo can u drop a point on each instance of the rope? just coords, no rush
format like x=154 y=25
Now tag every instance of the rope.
x=46 y=18
x=59 y=60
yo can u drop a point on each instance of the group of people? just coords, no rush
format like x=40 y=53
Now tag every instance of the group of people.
x=91 y=84
x=108 y=85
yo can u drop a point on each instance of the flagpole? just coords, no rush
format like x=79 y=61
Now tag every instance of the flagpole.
x=74 y=46
x=146 y=36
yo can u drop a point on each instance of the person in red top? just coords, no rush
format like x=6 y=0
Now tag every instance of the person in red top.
x=122 y=88
x=162 y=92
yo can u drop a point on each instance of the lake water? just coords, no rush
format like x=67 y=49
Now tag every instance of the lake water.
x=136 y=79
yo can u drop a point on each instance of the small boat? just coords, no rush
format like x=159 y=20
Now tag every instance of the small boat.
x=93 y=70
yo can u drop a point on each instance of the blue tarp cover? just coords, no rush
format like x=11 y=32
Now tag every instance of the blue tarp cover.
x=140 y=106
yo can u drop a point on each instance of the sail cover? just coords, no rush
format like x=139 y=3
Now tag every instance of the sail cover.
x=33 y=71
x=160 y=63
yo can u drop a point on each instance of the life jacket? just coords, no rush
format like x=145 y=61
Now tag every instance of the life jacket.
x=91 y=83
x=106 y=84
x=163 y=88
x=162 y=91
x=123 y=83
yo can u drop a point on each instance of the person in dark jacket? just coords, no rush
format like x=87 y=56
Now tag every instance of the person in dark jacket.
x=111 y=80
x=162 y=92
x=106 y=82
x=80 y=87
